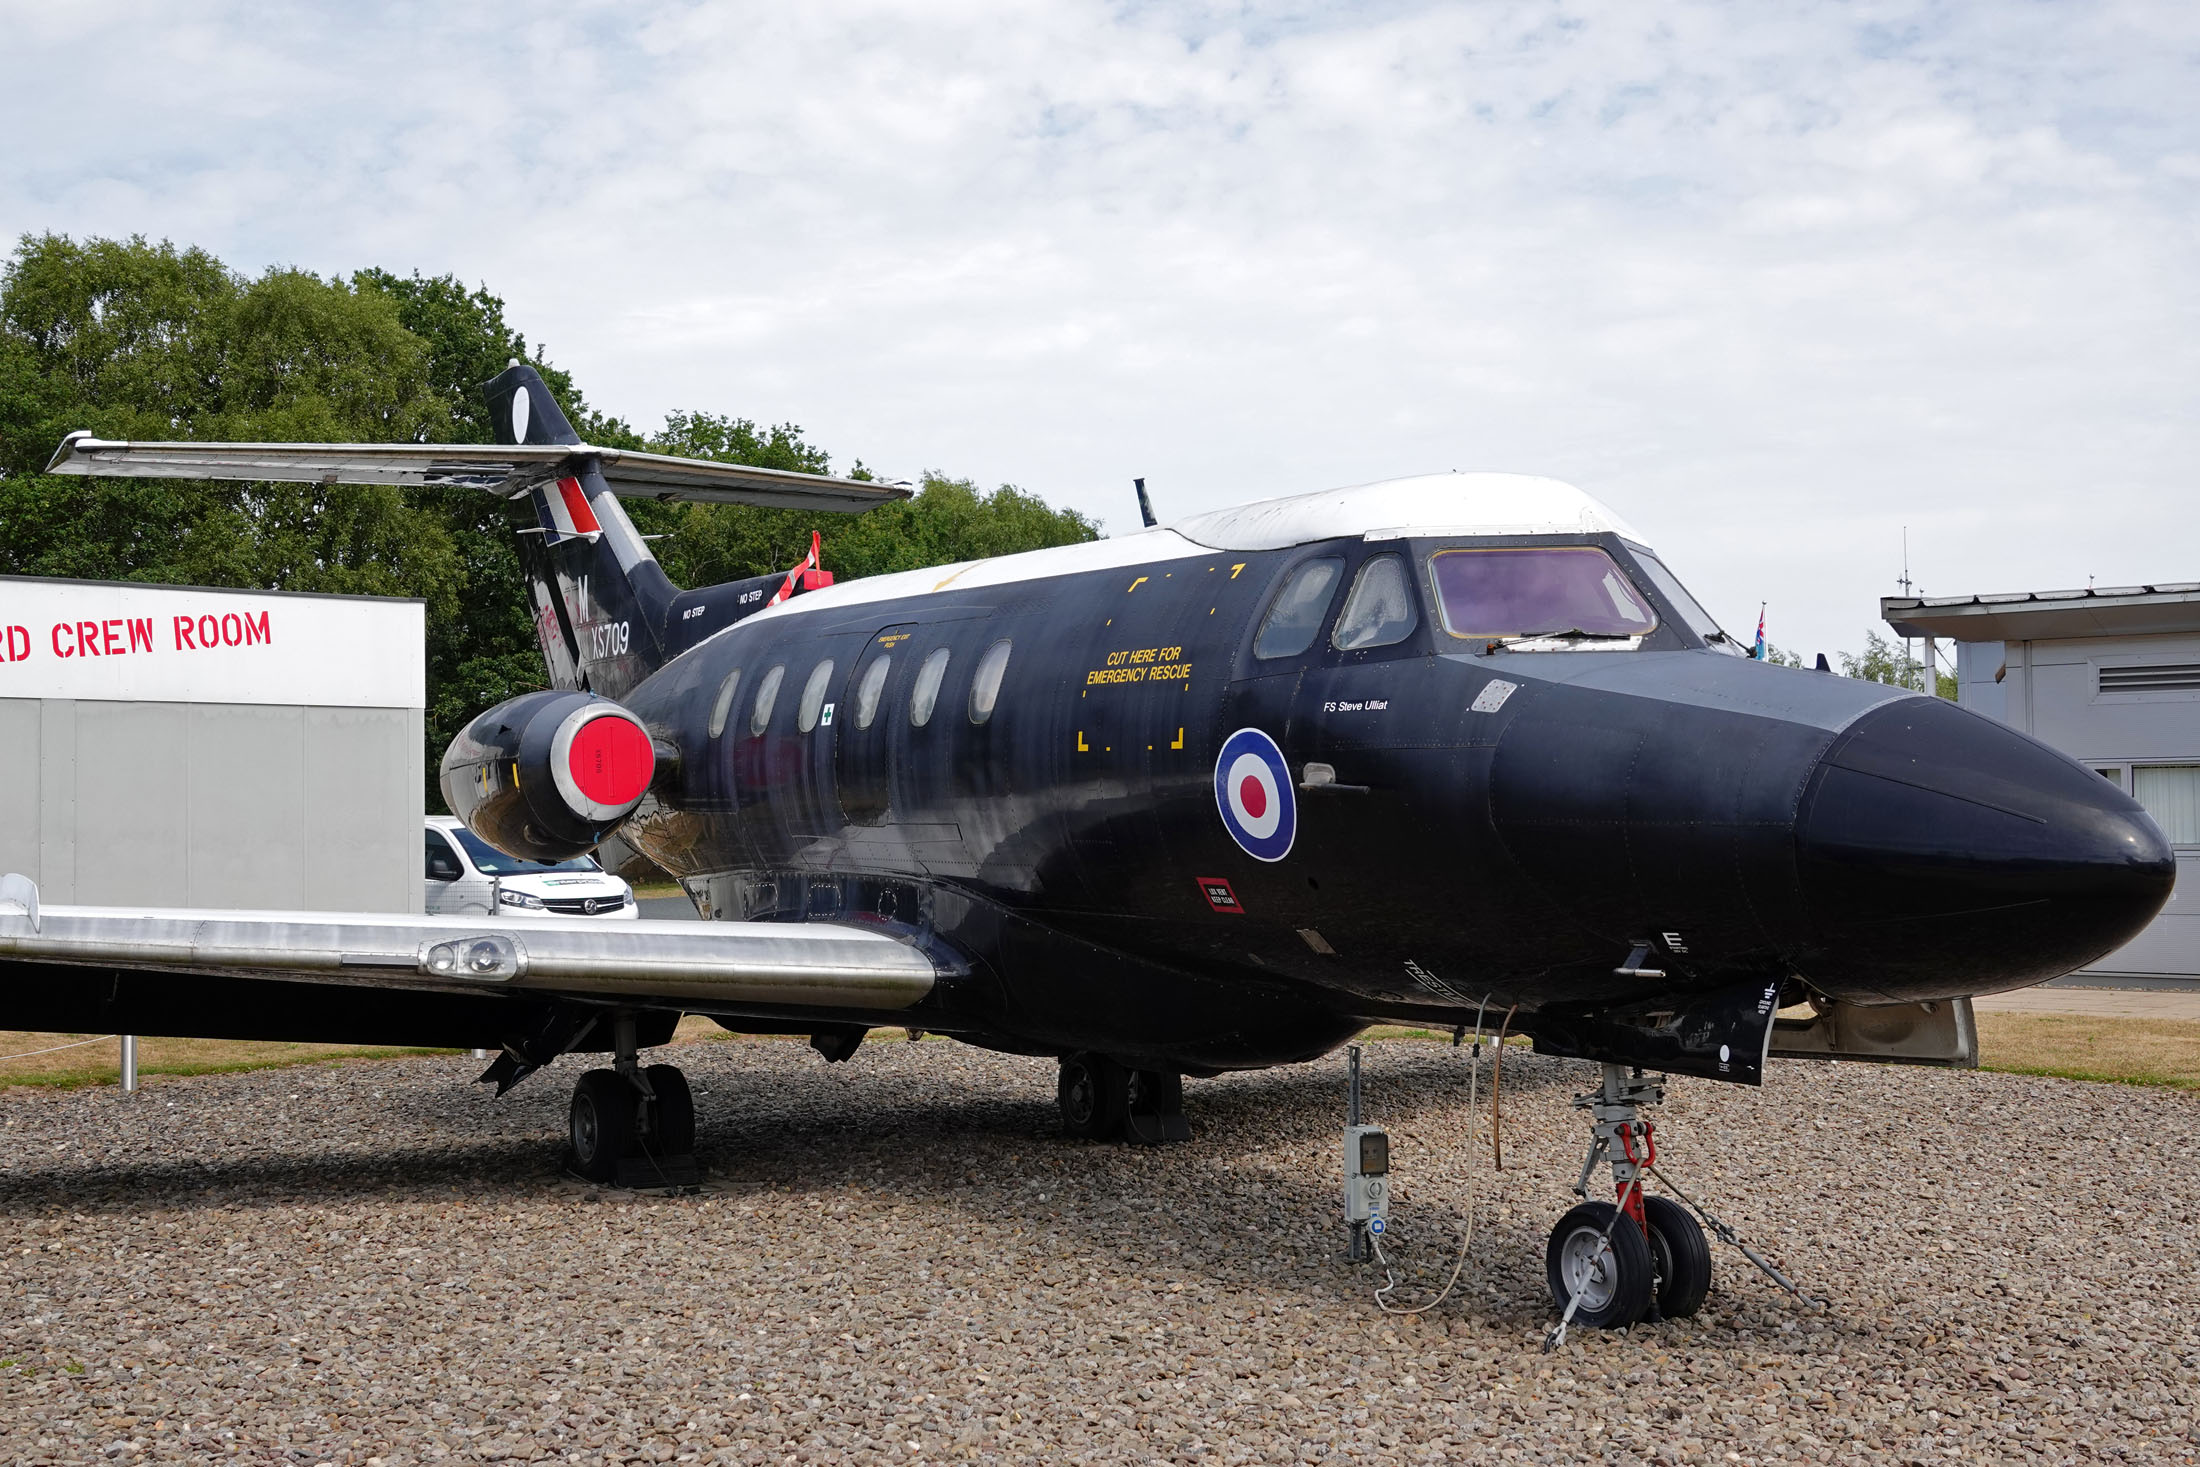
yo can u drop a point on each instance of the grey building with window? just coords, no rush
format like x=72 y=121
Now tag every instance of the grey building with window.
x=2110 y=676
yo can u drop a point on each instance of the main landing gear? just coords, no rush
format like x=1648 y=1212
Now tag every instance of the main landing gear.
x=633 y=1125
x=1103 y=1100
x=1643 y=1258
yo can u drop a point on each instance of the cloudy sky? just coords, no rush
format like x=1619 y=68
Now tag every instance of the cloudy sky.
x=1775 y=281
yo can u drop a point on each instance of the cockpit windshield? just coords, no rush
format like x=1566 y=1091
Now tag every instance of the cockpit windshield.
x=1537 y=590
x=1699 y=620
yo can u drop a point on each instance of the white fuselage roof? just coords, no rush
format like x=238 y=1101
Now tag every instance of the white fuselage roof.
x=1427 y=504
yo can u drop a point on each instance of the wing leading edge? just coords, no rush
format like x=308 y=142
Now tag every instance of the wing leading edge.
x=507 y=469
x=733 y=963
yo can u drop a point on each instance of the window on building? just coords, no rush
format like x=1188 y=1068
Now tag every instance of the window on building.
x=867 y=691
x=1537 y=590
x=724 y=703
x=813 y=697
x=2171 y=794
x=1379 y=611
x=767 y=693
x=1295 y=616
x=2112 y=773
x=985 y=683
x=925 y=694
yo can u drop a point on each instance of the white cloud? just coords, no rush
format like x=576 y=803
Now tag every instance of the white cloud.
x=1775 y=281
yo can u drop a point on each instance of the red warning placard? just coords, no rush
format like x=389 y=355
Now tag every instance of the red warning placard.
x=1219 y=895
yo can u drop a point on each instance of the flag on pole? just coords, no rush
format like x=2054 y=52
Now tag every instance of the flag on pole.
x=1759 y=654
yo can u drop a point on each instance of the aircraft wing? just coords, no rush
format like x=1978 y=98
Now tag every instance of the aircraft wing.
x=500 y=468
x=800 y=964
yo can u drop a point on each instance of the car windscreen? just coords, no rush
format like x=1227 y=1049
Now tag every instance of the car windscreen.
x=1536 y=590
x=493 y=862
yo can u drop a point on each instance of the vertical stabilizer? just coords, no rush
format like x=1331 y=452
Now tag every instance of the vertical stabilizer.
x=600 y=598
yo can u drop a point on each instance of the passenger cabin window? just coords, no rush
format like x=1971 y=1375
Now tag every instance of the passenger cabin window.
x=925 y=695
x=1295 y=616
x=767 y=693
x=985 y=683
x=1379 y=611
x=867 y=691
x=813 y=697
x=724 y=704
x=1539 y=590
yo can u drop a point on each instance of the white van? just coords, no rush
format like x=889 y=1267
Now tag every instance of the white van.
x=467 y=874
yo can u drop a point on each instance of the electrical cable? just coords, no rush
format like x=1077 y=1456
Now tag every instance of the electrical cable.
x=26 y=1054
x=1497 y=1092
x=1466 y=1231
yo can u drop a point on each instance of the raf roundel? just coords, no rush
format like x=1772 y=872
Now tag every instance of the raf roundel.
x=1253 y=793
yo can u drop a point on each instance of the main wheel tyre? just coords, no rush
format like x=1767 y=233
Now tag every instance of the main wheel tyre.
x=1093 y=1094
x=1153 y=1107
x=601 y=1123
x=672 y=1122
x=1611 y=1274
x=1679 y=1255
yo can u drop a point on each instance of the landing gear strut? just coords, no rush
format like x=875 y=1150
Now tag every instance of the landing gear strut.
x=631 y=1125
x=1611 y=1265
x=1103 y=1100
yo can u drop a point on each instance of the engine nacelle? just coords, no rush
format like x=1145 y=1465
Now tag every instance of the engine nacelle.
x=546 y=776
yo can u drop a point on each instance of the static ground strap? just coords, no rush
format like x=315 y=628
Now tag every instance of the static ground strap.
x=1727 y=1234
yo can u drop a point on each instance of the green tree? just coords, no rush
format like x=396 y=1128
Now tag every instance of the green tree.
x=1885 y=661
x=136 y=340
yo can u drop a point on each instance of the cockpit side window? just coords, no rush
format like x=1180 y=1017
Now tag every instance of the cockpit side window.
x=1698 y=620
x=1295 y=617
x=1537 y=590
x=1379 y=612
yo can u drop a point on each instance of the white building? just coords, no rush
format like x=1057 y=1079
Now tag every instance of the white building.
x=2111 y=677
x=171 y=746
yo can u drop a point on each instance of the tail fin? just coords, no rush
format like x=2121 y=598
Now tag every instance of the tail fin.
x=600 y=598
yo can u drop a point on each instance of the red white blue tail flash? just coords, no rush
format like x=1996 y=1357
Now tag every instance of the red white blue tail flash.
x=1253 y=791
x=564 y=512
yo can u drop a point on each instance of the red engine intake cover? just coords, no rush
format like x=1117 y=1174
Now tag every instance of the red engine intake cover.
x=601 y=762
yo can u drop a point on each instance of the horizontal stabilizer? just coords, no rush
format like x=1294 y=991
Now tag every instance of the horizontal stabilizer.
x=507 y=469
x=805 y=965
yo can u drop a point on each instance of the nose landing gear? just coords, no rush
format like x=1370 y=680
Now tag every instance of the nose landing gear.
x=1611 y=1265
x=633 y=1126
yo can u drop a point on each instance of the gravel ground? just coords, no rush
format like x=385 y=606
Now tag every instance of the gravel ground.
x=896 y=1259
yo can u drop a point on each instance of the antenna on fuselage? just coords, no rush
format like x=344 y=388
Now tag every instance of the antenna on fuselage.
x=1145 y=505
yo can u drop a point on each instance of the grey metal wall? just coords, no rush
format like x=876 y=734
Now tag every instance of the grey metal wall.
x=213 y=804
x=2051 y=690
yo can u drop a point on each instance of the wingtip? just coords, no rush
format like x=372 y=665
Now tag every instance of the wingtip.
x=64 y=457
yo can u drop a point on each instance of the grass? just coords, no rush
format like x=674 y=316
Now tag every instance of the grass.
x=101 y=1063
x=2081 y=1047
x=2163 y=1052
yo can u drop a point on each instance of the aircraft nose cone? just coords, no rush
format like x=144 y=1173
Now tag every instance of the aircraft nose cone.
x=1941 y=853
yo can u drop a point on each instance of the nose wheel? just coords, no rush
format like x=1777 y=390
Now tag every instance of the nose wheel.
x=1611 y=1264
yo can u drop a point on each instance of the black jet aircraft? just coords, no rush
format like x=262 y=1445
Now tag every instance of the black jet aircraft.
x=1205 y=797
